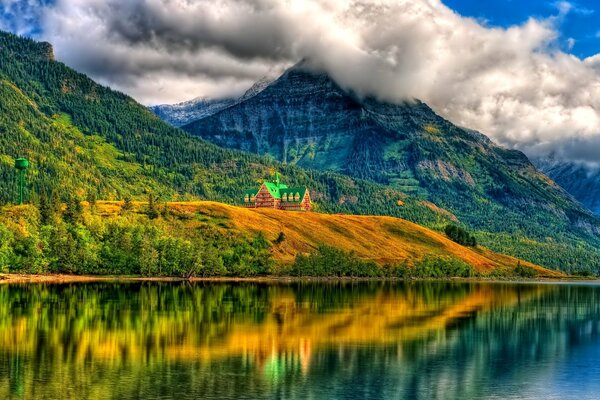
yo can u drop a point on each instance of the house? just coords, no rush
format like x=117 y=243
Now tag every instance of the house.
x=274 y=194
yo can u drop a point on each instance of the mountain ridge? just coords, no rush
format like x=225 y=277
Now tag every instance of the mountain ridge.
x=188 y=111
x=581 y=181
x=305 y=119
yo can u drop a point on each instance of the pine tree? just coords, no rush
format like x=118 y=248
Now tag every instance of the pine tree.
x=73 y=211
x=152 y=209
x=127 y=204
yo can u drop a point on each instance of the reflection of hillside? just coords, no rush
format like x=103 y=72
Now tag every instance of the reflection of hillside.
x=408 y=334
x=381 y=320
x=195 y=326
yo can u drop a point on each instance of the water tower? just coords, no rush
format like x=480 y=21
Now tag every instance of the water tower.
x=21 y=164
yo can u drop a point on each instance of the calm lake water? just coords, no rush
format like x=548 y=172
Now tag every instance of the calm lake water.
x=419 y=340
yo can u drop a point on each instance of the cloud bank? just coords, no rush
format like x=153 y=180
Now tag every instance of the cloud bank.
x=513 y=84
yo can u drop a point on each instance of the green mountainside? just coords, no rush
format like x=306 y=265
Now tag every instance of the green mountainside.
x=86 y=139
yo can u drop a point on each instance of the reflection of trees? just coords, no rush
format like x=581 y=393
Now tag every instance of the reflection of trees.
x=220 y=338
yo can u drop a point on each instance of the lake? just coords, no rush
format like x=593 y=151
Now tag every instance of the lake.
x=422 y=340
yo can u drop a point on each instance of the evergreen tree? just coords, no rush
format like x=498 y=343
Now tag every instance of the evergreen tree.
x=460 y=235
x=127 y=204
x=73 y=210
x=152 y=211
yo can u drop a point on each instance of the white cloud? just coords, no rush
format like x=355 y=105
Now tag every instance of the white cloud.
x=513 y=84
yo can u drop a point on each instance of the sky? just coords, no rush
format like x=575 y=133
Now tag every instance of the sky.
x=526 y=73
x=582 y=24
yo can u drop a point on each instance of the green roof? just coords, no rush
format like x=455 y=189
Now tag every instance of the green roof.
x=274 y=189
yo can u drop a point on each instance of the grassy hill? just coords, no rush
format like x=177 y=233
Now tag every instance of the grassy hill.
x=385 y=240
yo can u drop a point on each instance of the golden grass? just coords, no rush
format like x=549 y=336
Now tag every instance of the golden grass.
x=378 y=238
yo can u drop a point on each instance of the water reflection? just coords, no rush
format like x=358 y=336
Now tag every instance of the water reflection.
x=367 y=340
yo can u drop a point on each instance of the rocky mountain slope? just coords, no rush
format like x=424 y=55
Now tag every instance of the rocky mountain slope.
x=192 y=110
x=582 y=182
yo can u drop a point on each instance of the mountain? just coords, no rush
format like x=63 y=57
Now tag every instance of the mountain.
x=183 y=113
x=304 y=118
x=192 y=110
x=582 y=182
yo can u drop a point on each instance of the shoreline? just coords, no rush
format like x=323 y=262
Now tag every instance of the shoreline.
x=15 y=278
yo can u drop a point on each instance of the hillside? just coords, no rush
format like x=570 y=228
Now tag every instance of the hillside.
x=210 y=238
x=304 y=118
x=385 y=240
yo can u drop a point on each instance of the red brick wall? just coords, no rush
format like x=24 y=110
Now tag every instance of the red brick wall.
x=265 y=199
x=304 y=205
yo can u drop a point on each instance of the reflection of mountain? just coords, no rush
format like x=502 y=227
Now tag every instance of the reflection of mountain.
x=391 y=339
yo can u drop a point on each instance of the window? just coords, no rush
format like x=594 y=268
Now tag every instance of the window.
x=297 y=197
x=246 y=198
x=284 y=197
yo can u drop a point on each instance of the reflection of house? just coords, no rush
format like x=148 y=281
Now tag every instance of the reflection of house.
x=277 y=195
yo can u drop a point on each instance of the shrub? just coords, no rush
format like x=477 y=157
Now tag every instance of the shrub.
x=280 y=239
x=460 y=236
x=524 y=271
x=442 y=267
x=329 y=261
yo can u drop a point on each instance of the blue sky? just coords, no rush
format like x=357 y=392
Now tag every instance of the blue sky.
x=582 y=23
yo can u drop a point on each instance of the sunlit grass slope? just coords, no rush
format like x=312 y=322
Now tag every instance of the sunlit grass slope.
x=386 y=240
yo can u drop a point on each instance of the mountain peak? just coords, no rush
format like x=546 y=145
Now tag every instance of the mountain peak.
x=201 y=107
x=24 y=48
